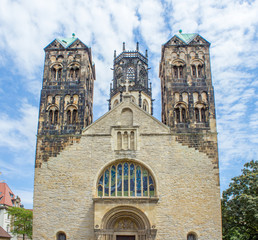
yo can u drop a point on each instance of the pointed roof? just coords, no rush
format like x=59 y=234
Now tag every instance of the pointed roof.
x=186 y=37
x=4 y=234
x=66 y=42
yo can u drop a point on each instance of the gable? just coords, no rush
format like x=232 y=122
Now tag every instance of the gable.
x=77 y=44
x=54 y=45
x=175 y=40
x=127 y=115
x=199 y=40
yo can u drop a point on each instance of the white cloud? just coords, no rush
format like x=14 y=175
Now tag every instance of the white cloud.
x=19 y=132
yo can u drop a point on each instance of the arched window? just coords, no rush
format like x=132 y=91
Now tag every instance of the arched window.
x=71 y=115
x=203 y=118
x=200 y=113
x=143 y=76
x=191 y=236
x=75 y=115
x=200 y=71
x=115 y=103
x=50 y=116
x=126 y=179
x=56 y=72
x=180 y=113
x=175 y=71
x=197 y=115
x=61 y=236
x=180 y=72
x=178 y=68
x=53 y=115
x=145 y=105
x=193 y=70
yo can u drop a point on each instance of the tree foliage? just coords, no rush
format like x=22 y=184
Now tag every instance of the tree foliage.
x=21 y=221
x=240 y=205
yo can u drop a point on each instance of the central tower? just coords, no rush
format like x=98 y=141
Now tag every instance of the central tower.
x=130 y=72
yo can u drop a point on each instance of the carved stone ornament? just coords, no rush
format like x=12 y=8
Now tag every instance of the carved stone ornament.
x=125 y=224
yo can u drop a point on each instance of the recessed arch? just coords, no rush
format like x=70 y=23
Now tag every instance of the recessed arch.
x=112 y=216
x=127 y=117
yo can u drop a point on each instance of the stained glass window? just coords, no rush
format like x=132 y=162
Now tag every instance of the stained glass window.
x=107 y=183
x=132 y=180
x=119 y=180
x=113 y=181
x=126 y=179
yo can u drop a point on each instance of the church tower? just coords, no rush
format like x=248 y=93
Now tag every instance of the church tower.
x=186 y=87
x=188 y=105
x=130 y=73
x=66 y=95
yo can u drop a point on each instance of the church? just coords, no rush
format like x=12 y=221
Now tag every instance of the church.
x=127 y=176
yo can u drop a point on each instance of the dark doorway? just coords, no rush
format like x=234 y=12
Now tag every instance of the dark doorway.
x=125 y=237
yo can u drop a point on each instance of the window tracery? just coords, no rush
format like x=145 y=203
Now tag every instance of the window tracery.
x=143 y=76
x=126 y=179
x=130 y=73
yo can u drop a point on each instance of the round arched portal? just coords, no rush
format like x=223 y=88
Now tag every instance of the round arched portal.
x=125 y=223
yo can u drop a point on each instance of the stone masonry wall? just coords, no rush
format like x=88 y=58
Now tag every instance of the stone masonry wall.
x=186 y=181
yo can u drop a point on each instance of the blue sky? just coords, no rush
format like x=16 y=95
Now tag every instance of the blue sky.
x=27 y=26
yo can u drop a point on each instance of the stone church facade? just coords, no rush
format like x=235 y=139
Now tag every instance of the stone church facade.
x=127 y=176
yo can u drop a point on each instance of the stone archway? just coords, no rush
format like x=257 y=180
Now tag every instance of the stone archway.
x=125 y=222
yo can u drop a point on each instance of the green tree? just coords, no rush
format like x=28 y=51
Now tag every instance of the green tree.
x=240 y=205
x=21 y=221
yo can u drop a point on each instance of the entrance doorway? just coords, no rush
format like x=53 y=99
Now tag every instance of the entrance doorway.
x=125 y=237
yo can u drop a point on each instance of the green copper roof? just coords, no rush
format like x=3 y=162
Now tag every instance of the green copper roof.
x=66 y=42
x=186 y=37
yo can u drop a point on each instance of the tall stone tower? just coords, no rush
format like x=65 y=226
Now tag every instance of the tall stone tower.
x=186 y=87
x=66 y=96
x=187 y=93
x=131 y=74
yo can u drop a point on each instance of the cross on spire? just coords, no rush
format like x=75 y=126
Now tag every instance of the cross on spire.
x=127 y=84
